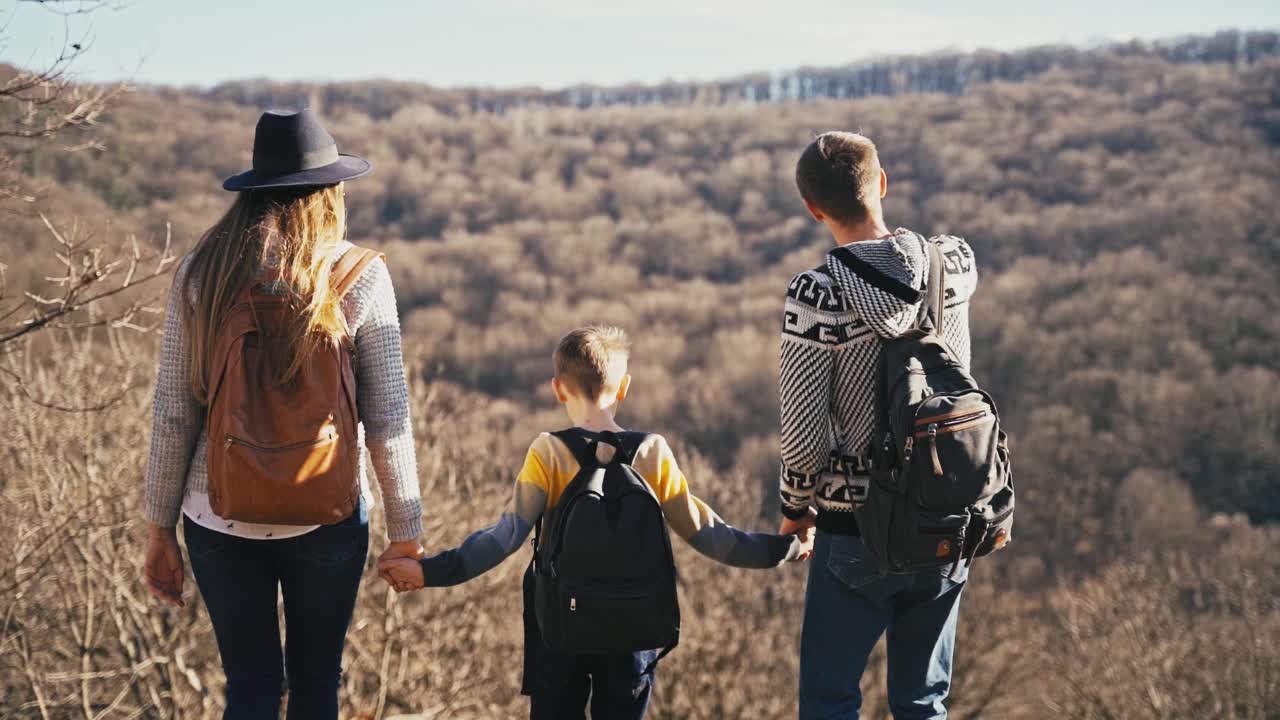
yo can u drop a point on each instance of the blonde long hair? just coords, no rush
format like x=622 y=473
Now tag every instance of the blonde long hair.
x=297 y=230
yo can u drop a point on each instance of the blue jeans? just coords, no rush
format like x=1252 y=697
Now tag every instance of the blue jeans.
x=848 y=606
x=318 y=574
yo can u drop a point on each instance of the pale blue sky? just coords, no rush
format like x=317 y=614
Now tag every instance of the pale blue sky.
x=554 y=43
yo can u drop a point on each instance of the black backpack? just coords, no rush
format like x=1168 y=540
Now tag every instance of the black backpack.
x=604 y=576
x=941 y=488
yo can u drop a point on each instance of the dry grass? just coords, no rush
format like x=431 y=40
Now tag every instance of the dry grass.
x=81 y=638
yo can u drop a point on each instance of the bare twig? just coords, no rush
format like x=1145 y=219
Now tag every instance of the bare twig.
x=45 y=103
x=84 y=270
x=77 y=7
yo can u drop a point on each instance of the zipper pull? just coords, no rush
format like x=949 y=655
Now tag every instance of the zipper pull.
x=227 y=445
x=907 y=448
x=573 y=603
x=933 y=449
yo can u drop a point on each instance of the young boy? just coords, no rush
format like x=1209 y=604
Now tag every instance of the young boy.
x=591 y=380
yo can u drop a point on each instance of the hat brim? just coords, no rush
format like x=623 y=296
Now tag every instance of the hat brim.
x=348 y=167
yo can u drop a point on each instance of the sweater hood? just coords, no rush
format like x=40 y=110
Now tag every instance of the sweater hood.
x=893 y=272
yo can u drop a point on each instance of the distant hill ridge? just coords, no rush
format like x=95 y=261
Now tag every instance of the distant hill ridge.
x=943 y=72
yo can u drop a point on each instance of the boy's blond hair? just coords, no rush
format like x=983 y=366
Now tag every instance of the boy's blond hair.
x=587 y=359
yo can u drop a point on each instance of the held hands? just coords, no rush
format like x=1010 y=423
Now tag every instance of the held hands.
x=403 y=574
x=398 y=565
x=162 y=570
x=806 y=544
x=802 y=529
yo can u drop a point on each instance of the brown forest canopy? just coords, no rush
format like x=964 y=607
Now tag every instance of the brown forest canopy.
x=1121 y=205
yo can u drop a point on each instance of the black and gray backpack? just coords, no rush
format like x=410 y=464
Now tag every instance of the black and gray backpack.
x=941 y=488
x=605 y=579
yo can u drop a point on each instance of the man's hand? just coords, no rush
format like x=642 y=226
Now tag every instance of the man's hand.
x=803 y=529
x=806 y=544
x=403 y=574
x=162 y=570
x=409 y=549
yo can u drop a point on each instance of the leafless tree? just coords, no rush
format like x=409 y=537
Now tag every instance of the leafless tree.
x=92 y=285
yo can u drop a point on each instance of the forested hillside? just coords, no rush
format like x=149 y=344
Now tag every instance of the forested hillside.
x=941 y=72
x=1123 y=219
x=1122 y=208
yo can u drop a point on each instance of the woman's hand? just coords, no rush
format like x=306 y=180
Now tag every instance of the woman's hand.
x=404 y=574
x=411 y=549
x=162 y=570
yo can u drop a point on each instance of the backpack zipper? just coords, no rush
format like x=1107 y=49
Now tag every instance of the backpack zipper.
x=933 y=449
x=632 y=591
x=328 y=437
x=961 y=422
x=618 y=591
x=958 y=423
x=952 y=418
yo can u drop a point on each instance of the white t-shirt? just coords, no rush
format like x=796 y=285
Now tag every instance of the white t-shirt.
x=197 y=509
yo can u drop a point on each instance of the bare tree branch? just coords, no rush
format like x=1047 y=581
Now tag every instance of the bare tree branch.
x=46 y=103
x=85 y=273
x=68 y=8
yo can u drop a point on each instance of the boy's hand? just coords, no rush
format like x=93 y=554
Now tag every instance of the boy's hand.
x=411 y=549
x=403 y=574
x=806 y=544
x=803 y=529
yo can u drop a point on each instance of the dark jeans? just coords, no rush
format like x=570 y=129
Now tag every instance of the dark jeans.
x=617 y=686
x=848 y=605
x=319 y=574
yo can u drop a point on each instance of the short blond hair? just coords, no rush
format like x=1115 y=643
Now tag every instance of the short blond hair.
x=586 y=359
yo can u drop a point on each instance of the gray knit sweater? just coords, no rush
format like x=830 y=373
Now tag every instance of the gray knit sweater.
x=178 y=458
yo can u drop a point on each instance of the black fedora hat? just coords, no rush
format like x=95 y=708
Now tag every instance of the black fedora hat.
x=292 y=149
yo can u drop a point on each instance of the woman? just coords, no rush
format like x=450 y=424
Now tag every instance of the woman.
x=279 y=243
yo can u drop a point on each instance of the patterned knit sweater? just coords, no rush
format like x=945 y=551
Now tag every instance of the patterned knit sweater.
x=830 y=346
x=177 y=465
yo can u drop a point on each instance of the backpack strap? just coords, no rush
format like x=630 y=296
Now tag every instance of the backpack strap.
x=626 y=445
x=873 y=276
x=936 y=298
x=663 y=653
x=584 y=451
x=932 y=297
x=350 y=266
x=582 y=445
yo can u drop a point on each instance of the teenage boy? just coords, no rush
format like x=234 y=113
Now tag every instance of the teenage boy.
x=832 y=326
x=591 y=381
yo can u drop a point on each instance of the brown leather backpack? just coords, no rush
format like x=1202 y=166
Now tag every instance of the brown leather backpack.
x=282 y=454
